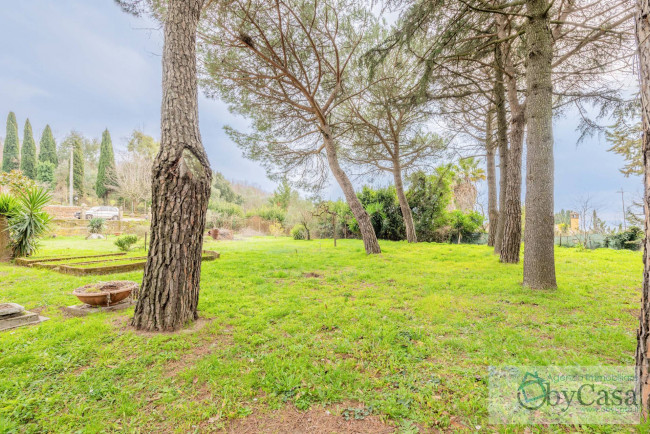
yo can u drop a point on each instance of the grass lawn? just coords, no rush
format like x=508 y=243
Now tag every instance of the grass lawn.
x=405 y=337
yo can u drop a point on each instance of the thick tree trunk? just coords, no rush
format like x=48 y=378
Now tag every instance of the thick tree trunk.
x=363 y=219
x=512 y=213
x=411 y=237
x=493 y=212
x=181 y=185
x=502 y=143
x=643 y=334
x=539 y=256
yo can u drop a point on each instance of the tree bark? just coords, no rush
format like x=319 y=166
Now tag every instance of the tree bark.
x=411 y=236
x=643 y=334
x=539 y=255
x=181 y=185
x=512 y=213
x=493 y=212
x=502 y=142
x=363 y=219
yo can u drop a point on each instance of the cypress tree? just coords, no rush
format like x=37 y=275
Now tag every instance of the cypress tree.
x=45 y=173
x=78 y=169
x=106 y=175
x=10 y=153
x=28 y=152
x=48 y=147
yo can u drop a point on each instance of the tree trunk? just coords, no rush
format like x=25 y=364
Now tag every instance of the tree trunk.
x=363 y=219
x=411 y=236
x=643 y=334
x=512 y=213
x=181 y=185
x=502 y=143
x=493 y=212
x=539 y=255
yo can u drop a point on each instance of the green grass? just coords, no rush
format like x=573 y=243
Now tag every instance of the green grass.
x=107 y=263
x=410 y=334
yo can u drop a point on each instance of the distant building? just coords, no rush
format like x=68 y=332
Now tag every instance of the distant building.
x=575 y=221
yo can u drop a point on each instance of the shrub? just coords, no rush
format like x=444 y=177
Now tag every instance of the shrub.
x=428 y=197
x=16 y=181
x=385 y=213
x=464 y=225
x=630 y=239
x=96 y=225
x=275 y=229
x=27 y=221
x=125 y=242
x=298 y=232
x=269 y=213
x=225 y=209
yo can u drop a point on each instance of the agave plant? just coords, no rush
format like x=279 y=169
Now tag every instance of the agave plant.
x=28 y=221
x=8 y=204
x=96 y=225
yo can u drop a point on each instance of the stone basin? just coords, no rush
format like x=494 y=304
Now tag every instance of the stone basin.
x=105 y=293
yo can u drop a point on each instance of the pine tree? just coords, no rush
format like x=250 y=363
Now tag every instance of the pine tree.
x=106 y=175
x=48 y=147
x=78 y=169
x=10 y=154
x=28 y=152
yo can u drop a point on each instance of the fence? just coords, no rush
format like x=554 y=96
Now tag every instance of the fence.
x=594 y=241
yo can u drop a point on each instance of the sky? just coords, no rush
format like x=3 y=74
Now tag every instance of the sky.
x=86 y=66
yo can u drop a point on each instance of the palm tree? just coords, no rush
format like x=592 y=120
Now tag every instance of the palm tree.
x=466 y=174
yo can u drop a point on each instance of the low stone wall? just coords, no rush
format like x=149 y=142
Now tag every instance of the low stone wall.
x=62 y=211
x=76 y=227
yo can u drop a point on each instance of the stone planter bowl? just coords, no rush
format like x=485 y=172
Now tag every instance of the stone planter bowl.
x=105 y=293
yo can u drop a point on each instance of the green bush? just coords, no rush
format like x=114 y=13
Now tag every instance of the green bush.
x=125 y=242
x=272 y=214
x=630 y=239
x=385 y=213
x=428 y=197
x=298 y=232
x=96 y=225
x=225 y=209
x=464 y=225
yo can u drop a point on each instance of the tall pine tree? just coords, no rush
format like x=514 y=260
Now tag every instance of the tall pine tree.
x=10 y=153
x=78 y=168
x=28 y=152
x=48 y=147
x=106 y=175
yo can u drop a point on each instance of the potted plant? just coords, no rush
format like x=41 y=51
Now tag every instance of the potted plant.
x=105 y=293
